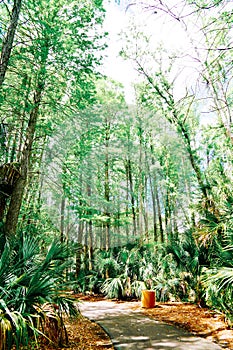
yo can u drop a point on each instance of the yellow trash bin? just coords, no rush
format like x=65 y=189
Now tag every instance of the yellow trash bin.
x=148 y=298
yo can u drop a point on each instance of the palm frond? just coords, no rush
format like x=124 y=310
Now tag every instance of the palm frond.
x=29 y=279
x=222 y=278
x=114 y=287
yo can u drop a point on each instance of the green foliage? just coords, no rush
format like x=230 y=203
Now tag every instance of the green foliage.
x=32 y=292
x=51 y=75
x=173 y=271
x=108 y=266
x=115 y=287
x=217 y=282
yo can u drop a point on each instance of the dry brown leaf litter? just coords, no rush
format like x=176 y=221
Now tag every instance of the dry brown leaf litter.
x=200 y=321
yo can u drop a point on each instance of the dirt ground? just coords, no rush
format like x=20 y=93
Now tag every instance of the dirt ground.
x=84 y=334
x=200 y=321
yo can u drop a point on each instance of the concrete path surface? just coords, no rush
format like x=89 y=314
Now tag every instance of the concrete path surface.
x=130 y=329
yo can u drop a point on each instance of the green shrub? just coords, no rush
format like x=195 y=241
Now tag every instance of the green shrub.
x=29 y=280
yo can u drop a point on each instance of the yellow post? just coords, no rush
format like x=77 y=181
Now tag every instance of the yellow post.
x=148 y=298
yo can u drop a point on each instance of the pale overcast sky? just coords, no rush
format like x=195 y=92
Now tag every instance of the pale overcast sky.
x=114 y=66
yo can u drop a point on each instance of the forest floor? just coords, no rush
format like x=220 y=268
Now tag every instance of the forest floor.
x=197 y=320
x=87 y=335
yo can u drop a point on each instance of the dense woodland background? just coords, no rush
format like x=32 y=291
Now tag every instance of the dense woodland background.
x=103 y=195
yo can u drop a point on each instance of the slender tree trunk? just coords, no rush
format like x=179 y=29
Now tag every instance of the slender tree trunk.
x=138 y=213
x=140 y=216
x=78 y=260
x=90 y=246
x=141 y=182
x=193 y=161
x=152 y=181
x=90 y=227
x=107 y=184
x=153 y=197
x=159 y=213
x=103 y=237
x=145 y=212
x=187 y=189
x=26 y=84
x=79 y=250
x=32 y=195
x=130 y=177
x=166 y=215
x=80 y=231
x=127 y=205
x=80 y=222
x=175 y=224
x=107 y=235
x=2 y=140
x=62 y=226
x=155 y=229
x=67 y=229
x=18 y=190
x=118 y=226
x=41 y=173
x=85 y=248
x=168 y=223
x=8 y=40
x=86 y=236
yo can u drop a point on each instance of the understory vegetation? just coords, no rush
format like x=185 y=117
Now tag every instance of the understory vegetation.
x=33 y=298
x=179 y=271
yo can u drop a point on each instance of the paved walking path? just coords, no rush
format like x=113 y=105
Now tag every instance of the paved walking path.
x=130 y=329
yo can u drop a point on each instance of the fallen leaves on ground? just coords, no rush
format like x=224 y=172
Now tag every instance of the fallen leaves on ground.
x=83 y=334
x=200 y=321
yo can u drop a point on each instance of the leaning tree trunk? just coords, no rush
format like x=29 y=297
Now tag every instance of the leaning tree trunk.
x=173 y=117
x=9 y=171
x=19 y=187
x=9 y=39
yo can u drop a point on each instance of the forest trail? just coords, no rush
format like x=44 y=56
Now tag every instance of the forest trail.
x=128 y=328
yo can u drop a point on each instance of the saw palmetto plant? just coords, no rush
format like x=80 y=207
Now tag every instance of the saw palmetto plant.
x=32 y=293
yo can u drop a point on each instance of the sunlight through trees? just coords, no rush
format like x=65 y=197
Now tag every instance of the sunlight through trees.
x=139 y=193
